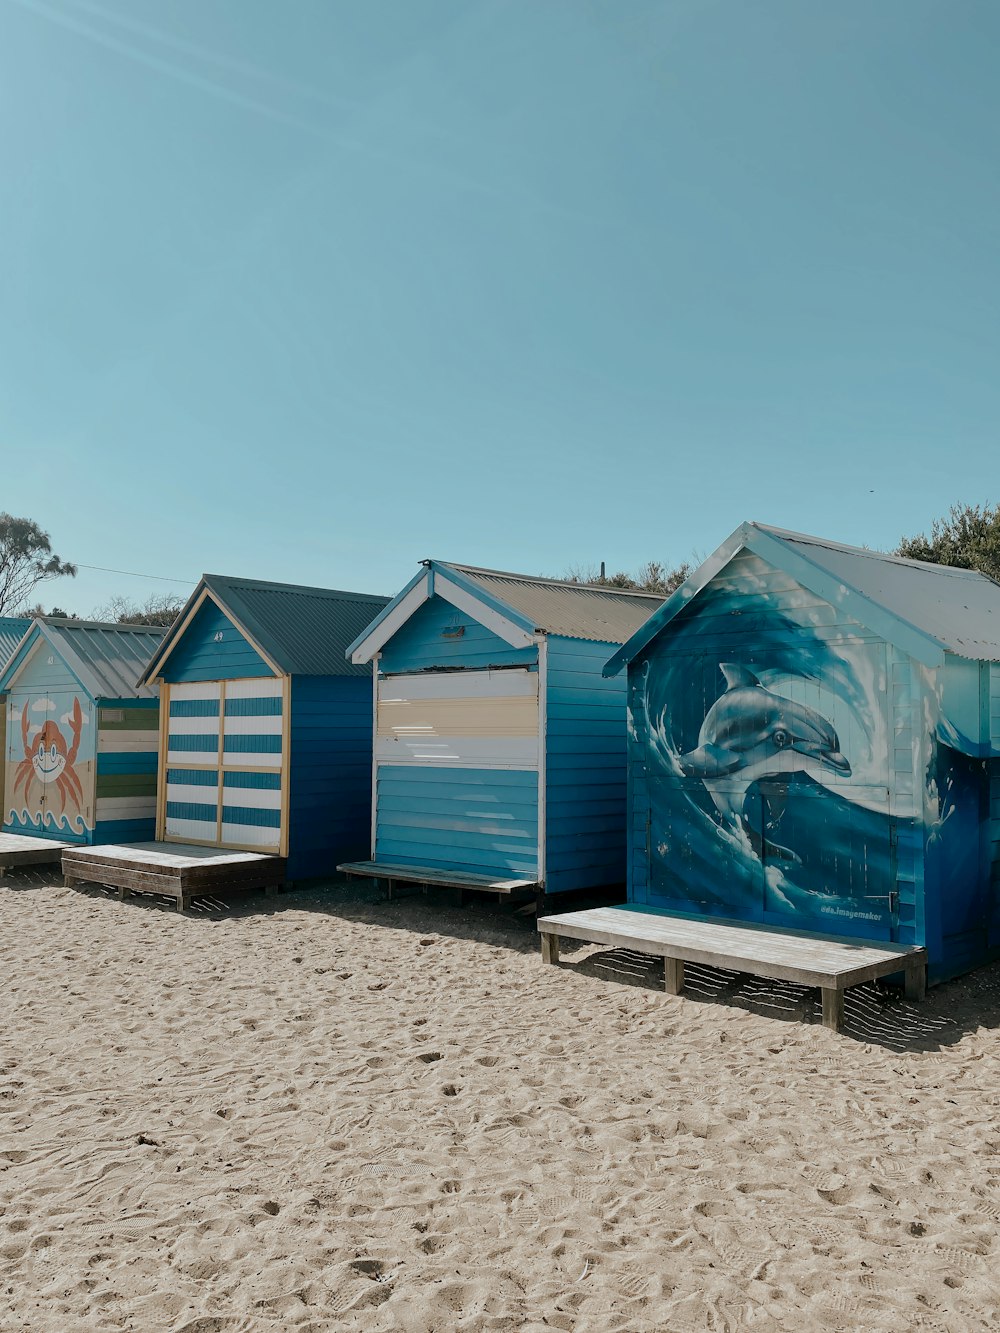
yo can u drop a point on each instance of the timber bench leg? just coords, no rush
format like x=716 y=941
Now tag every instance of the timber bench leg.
x=915 y=984
x=673 y=975
x=550 y=948
x=833 y=1008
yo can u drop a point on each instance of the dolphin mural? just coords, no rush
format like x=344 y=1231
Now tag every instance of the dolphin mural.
x=751 y=732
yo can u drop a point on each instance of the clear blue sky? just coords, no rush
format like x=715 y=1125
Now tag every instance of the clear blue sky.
x=312 y=290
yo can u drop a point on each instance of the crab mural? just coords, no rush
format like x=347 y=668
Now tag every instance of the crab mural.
x=48 y=758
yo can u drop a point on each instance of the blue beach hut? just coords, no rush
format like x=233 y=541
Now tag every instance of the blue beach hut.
x=81 y=748
x=265 y=737
x=815 y=746
x=499 y=747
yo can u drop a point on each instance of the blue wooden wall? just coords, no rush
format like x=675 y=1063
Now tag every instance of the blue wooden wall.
x=330 y=774
x=212 y=648
x=430 y=639
x=482 y=821
x=902 y=845
x=585 y=824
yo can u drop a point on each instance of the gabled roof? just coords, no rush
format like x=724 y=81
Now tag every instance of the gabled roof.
x=105 y=658
x=926 y=610
x=299 y=631
x=12 y=631
x=517 y=607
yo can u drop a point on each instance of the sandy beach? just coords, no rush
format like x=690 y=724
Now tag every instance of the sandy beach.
x=329 y=1112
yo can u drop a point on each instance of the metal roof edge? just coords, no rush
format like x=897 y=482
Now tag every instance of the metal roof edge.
x=767 y=542
x=170 y=637
x=874 y=615
x=677 y=600
x=39 y=628
x=493 y=603
x=360 y=646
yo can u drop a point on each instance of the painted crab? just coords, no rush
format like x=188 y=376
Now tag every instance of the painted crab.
x=48 y=758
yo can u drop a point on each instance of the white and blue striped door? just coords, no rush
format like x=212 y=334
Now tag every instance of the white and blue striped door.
x=224 y=764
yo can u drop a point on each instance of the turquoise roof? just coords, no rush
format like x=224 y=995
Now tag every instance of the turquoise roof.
x=927 y=610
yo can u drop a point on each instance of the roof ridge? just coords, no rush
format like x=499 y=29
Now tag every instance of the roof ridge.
x=110 y=626
x=241 y=580
x=925 y=566
x=542 y=578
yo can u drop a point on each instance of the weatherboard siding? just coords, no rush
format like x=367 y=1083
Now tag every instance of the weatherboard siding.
x=127 y=758
x=330 y=773
x=483 y=821
x=586 y=789
x=438 y=634
x=212 y=648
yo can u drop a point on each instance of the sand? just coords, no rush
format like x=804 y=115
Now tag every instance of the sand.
x=329 y=1112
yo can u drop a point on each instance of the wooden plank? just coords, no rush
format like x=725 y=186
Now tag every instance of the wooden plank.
x=673 y=975
x=915 y=984
x=17 y=850
x=786 y=955
x=550 y=948
x=432 y=875
x=830 y=963
x=833 y=1008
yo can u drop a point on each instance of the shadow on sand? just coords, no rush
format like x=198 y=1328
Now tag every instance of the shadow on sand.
x=875 y=1013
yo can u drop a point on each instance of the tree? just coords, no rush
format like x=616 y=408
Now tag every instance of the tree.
x=157 y=609
x=56 y=612
x=26 y=559
x=653 y=576
x=968 y=537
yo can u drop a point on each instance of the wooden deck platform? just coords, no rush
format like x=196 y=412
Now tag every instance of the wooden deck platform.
x=18 y=850
x=833 y=963
x=179 y=870
x=435 y=877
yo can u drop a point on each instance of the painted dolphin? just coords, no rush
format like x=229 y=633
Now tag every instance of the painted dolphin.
x=750 y=733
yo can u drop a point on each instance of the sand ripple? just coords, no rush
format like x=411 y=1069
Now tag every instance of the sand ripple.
x=333 y=1113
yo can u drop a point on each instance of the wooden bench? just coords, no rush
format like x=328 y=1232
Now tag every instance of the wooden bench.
x=19 y=850
x=833 y=963
x=178 y=870
x=437 y=878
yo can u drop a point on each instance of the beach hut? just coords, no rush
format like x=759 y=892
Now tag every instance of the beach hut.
x=815 y=747
x=81 y=738
x=12 y=631
x=499 y=747
x=265 y=735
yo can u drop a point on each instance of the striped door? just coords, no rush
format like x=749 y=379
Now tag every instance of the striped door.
x=224 y=766
x=456 y=781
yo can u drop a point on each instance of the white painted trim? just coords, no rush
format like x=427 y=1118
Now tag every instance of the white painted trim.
x=195 y=689
x=268 y=724
x=375 y=661
x=250 y=835
x=254 y=687
x=543 y=722
x=369 y=648
x=467 y=751
x=480 y=765
x=465 y=601
x=520 y=682
x=194 y=726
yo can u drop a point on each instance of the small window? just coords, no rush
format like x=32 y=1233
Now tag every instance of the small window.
x=112 y=714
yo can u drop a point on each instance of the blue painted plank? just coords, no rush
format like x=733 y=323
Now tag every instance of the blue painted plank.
x=212 y=648
x=439 y=635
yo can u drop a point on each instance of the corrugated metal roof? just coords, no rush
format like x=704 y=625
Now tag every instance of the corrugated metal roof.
x=304 y=631
x=573 y=610
x=105 y=658
x=959 y=608
x=12 y=631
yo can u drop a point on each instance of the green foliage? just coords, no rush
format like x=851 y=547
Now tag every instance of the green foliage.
x=653 y=576
x=157 y=609
x=968 y=537
x=26 y=559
